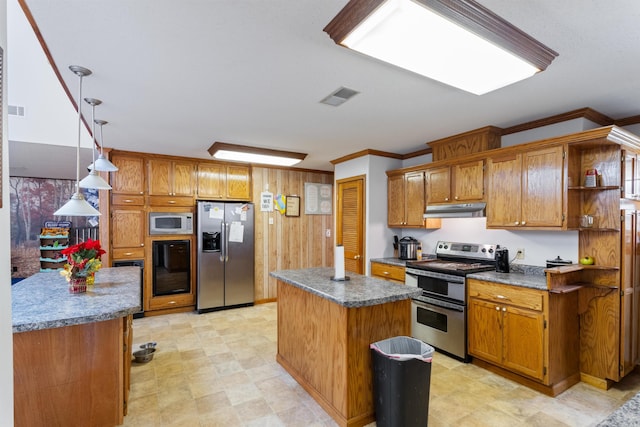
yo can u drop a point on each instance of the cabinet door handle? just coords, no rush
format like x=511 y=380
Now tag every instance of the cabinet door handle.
x=141 y=244
x=456 y=197
x=517 y=223
x=524 y=222
x=497 y=308
x=504 y=308
x=446 y=199
x=356 y=257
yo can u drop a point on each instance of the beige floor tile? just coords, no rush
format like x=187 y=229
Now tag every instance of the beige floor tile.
x=218 y=369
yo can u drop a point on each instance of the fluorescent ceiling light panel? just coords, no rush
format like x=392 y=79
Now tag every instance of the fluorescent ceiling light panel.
x=243 y=153
x=459 y=43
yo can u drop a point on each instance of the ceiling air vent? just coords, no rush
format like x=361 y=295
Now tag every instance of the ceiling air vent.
x=339 y=96
x=15 y=110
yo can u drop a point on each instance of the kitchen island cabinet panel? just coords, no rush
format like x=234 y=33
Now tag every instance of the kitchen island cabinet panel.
x=324 y=332
x=64 y=375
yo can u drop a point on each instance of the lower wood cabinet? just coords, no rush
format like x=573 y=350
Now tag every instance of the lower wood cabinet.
x=393 y=273
x=527 y=332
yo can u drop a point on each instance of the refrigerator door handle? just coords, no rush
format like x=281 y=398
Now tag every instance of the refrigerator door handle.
x=223 y=237
x=226 y=243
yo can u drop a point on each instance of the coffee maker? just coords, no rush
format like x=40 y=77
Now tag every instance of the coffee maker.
x=502 y=260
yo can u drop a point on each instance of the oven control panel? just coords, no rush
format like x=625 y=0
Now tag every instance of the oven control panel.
x=466 y=250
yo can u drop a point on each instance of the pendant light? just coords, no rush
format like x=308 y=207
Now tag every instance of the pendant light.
x=103 y=164
x=93 y=180
x=77 y=205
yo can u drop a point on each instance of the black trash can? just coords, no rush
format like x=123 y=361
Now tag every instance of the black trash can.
x=401 y=381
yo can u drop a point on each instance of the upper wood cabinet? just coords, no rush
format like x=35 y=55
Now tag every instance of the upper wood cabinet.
x=526 y=189
x=405 y=200
x=220 y=181
x=170 y=178
x=462 y=182
x=475 y=141
x=129 y=179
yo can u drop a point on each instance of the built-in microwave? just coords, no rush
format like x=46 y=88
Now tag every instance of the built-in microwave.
x=170 y=223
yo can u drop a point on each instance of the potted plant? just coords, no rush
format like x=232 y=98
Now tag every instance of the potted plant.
x=83 y=260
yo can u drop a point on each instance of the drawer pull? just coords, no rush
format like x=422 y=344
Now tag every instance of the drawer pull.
x=128 y=200
x=501 y=297
x=128 y=253
x=386 y=273
x=172 y=302
x=171 y=202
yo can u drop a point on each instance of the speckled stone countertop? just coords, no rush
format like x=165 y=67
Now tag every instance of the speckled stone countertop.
x=397 y=261
x=360 y=291
x=43 y=301
x=627 y=415
x=534 y=281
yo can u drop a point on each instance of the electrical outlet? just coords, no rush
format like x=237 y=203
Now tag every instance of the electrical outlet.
x=327 y=232
x=270 y=221
x=520 y=253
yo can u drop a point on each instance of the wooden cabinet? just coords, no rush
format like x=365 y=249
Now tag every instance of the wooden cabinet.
x=221 y=182
x=528 y=335
x=394 y=273
x=406 y=201
x=506 y=327
x=525 y=189
x=128 y=229
x=170 y=177
x=462 y=182
x=486 y=138
x=129 y=179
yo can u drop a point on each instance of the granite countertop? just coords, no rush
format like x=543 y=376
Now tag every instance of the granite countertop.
x=534 y=281
x=360 y=291
x=397 y=261
x=626 y=415
x=43 y=301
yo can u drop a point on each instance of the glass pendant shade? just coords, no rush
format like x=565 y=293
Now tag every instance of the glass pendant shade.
x=102 y=163
x=77 y=205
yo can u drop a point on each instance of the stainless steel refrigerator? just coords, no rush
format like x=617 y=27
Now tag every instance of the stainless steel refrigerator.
x=225 y=255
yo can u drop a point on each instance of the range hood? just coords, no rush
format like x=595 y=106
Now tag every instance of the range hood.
x=458 y=210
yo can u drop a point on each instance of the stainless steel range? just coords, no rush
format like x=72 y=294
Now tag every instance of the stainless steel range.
x=439 y=315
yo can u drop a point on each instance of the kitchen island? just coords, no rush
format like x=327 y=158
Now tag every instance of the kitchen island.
x=71 y=352
x=324 y=331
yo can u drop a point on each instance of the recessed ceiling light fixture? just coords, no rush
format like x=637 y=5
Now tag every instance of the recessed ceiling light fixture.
x=243 y=153
x=457 y=42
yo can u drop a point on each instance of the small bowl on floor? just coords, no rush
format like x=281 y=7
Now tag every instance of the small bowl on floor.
x=144 y=355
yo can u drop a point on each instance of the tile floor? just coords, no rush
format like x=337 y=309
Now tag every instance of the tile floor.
x=219 y=369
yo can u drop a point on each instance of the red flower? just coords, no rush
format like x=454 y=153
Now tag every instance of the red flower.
x=78 y=256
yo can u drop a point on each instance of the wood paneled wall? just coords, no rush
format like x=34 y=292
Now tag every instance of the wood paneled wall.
x=290 y=242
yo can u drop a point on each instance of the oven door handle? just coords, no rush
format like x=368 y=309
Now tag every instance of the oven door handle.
x=436 y=308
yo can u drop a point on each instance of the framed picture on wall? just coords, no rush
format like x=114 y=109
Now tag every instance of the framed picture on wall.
x=293 y=206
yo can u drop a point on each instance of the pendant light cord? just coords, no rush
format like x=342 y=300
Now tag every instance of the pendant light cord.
x=79 y=128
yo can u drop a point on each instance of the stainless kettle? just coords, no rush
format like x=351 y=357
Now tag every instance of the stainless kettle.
x=408 y=248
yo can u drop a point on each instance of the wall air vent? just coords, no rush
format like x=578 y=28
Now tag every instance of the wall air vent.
x=16 y=110
x=339 y=96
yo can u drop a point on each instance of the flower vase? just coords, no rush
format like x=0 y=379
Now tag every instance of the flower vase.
x=77 y=284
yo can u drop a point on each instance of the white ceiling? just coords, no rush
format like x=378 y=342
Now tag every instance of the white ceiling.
x=175 y=76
